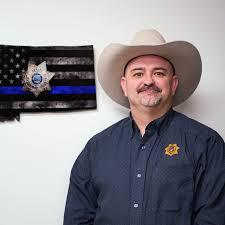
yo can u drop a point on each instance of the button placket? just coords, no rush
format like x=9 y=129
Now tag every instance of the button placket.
x=141 y=152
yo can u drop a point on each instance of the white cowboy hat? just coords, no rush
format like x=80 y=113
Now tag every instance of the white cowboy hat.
x=183 y=55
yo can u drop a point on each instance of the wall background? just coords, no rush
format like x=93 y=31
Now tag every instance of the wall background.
x=37 y=153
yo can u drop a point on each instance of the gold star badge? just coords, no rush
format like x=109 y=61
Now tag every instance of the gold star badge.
x=36 y=78
x=172 y=149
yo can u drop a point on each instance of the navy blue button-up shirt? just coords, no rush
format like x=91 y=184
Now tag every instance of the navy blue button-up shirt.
x=173 y=175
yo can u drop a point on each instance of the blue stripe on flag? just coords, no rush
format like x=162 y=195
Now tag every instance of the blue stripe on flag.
x=55 y=90
x=72 y=90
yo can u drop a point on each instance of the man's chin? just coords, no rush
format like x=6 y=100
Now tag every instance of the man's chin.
x=151 y=102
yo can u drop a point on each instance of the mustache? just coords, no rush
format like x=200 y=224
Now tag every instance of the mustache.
x=151 y=87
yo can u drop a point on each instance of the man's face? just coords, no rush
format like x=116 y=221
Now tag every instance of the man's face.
x=149 y=82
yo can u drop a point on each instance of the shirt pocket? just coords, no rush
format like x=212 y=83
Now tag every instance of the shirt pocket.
x=172 y=188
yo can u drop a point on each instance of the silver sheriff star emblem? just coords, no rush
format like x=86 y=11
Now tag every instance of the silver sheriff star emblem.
x=36 y=78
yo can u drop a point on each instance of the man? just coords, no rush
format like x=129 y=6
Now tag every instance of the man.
x=156 y=167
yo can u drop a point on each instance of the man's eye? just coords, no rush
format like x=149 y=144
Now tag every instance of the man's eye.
x=138 y=74
x=159 y=74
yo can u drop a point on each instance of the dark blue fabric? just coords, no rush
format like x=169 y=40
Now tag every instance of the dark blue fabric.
x=122 y=178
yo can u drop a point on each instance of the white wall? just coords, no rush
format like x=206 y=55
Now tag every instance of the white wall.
x=37 y=153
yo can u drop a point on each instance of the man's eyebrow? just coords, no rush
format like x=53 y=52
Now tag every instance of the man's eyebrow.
x=138 y=68
x=165 y=70
x=160 y=68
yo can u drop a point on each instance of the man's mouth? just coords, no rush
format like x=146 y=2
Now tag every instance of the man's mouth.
x=150 y=89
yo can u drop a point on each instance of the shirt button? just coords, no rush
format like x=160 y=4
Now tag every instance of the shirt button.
x=135 y=205
x=138 y=175
x=143 y=147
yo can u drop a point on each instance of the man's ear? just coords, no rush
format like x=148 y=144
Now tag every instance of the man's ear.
x=175 y=83
x=123 y=85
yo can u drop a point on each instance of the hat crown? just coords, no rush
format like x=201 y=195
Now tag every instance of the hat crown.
x=148 y=37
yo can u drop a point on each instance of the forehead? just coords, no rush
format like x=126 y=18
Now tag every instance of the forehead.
x=149 y=60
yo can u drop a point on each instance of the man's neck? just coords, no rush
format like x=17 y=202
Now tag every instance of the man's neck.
x=145 y=115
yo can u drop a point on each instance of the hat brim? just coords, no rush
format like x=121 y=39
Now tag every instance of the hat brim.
x=183 y=55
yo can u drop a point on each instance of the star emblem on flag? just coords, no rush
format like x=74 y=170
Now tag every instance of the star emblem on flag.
x=36 y=78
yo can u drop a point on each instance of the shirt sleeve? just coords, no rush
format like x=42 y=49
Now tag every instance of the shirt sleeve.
x=81 y=201
x=209 y=201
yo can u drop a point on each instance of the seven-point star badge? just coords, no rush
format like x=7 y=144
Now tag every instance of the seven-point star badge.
x=36 y=78
x=172 y=149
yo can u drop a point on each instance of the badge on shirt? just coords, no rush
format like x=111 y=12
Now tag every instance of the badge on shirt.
x=172 y=149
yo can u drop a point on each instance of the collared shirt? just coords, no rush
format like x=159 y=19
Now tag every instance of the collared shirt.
x=173 y=175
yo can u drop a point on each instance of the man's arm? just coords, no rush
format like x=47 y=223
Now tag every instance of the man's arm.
x=209 y=204
x=81 y=201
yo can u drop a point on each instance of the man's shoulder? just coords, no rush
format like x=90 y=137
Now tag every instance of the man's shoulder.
x=113 y=130
x=102 y=140
x=191 y=126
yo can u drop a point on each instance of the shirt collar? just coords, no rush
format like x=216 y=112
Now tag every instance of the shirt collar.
x=157 y=125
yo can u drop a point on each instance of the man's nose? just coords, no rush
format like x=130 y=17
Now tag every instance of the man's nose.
x=149 y=79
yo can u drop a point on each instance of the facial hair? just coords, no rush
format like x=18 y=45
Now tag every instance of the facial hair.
x=150 y=100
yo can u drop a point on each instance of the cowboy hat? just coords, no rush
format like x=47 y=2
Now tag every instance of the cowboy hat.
x=184 y=57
